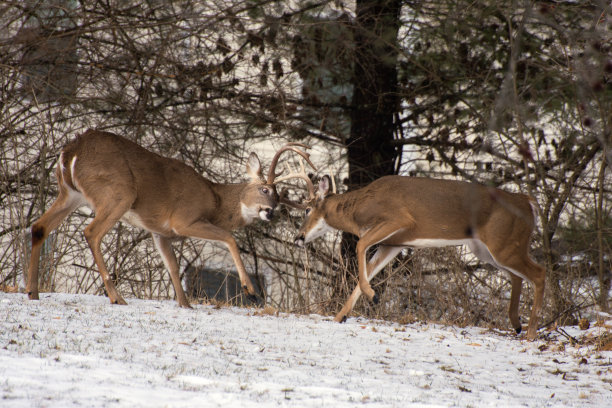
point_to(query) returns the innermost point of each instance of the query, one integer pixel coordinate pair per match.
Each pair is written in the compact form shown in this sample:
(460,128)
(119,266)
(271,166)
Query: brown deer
(396,212)
(121,180)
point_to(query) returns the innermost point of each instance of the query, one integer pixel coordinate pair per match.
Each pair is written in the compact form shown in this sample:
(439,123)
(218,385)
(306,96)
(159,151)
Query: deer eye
(308,210)
(265,190)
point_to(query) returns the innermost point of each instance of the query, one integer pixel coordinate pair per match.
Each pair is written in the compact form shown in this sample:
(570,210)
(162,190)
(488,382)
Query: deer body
(121,180)
(397,212)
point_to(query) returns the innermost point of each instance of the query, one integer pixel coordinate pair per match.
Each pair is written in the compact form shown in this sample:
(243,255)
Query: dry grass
(9,289)
(266,311)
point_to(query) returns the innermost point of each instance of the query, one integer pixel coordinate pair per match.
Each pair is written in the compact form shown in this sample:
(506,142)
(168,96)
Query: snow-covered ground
(80,351)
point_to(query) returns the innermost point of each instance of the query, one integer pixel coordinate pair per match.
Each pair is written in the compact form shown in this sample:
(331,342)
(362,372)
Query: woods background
(516,95)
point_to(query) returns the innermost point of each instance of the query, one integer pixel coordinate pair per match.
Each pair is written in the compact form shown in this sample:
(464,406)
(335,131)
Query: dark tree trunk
(371,153)
(375,101)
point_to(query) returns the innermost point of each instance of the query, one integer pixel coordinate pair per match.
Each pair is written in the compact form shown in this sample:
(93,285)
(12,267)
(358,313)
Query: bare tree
(514,95)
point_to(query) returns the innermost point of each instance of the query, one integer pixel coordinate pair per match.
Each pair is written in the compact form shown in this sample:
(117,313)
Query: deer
(121,180)
(397,212)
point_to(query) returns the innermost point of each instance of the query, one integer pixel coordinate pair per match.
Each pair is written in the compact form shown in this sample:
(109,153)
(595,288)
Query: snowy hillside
(79,351)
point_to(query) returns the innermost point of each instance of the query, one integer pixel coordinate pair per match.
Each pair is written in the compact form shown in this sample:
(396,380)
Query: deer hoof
(343,319)
(375,299)
(519,327)
(251,296)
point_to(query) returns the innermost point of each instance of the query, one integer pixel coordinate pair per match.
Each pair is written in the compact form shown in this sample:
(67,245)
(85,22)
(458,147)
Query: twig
(568,336)
(569,310)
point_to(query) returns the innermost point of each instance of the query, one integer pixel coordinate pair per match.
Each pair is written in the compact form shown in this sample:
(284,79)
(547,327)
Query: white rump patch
(72,164)
(75,182)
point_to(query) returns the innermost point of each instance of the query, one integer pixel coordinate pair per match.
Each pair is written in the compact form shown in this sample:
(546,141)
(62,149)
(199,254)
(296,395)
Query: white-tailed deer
(121,180)
(396,212)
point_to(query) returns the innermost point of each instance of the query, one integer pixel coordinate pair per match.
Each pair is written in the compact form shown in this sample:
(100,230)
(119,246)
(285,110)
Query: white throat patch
(248,214)
(320,228)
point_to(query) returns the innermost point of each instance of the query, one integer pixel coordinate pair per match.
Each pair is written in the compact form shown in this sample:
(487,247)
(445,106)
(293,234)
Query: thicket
(515,95)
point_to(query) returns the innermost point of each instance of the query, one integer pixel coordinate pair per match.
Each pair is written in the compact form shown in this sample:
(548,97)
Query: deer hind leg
(165,250)
(524,267)
(49,221)
(381,257)
(515,298)
(482,252)
(519,265)
(536,274)
(106,217)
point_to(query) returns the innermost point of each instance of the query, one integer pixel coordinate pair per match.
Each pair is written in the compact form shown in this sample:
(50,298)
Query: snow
(80,351)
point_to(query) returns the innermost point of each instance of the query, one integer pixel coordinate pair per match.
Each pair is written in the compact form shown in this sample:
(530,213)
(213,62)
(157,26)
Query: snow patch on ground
(80,351)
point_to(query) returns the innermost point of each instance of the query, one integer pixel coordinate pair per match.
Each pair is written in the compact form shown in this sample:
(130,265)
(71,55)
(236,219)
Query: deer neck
(228,211)
(339,210)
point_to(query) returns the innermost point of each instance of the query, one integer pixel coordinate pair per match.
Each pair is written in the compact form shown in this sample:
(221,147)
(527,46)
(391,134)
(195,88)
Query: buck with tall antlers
(121,180)
(396,212)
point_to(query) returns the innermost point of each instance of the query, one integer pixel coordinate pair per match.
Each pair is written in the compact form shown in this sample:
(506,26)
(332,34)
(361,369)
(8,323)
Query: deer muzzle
(299,241)
(266,213)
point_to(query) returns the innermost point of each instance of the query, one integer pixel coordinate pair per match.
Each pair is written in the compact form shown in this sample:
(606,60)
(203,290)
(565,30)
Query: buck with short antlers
(396,212)
(121,180)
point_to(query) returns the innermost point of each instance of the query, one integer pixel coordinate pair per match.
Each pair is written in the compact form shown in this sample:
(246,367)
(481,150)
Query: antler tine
(292,173)
(302,175)
(289,146)
(333,180)
(284,200)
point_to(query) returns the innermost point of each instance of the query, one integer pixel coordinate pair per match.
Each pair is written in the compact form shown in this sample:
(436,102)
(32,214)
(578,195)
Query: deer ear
(253,167)
(324,186)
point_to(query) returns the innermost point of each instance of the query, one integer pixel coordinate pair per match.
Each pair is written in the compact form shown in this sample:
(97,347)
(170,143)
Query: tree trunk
(370,150)
(602,274)
(371,153)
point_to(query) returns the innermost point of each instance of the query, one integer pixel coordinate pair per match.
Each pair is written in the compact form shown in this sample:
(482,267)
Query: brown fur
(167,197)
(394,211)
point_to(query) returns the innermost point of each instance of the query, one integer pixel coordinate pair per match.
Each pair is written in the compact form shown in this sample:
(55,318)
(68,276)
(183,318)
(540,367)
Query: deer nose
(269,213)
(299,241)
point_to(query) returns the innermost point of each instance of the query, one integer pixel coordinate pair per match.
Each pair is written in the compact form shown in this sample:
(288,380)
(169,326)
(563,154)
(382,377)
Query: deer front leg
(381,257)
(373,236)
(208,231)
(165,249)
(538,279)
(94,232)
(515,297)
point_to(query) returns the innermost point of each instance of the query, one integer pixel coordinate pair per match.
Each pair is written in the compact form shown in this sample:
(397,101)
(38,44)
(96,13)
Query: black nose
(299,240)
(269,213)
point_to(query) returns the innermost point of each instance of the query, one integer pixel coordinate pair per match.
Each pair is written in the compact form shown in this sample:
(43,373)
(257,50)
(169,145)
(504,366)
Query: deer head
(314,224)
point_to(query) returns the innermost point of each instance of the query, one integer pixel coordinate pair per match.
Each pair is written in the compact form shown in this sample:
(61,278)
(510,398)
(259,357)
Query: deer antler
(333,180)
(301,175)
(289,146)
(284,200)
